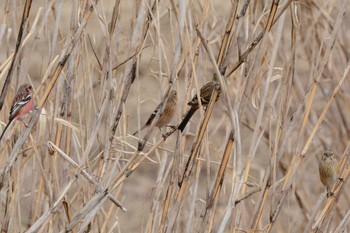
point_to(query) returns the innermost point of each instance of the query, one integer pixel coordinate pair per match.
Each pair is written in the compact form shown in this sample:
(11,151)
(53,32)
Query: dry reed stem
(272,14)
(171,186)
(214,193)
(256,41)
(343,223)
(226,43)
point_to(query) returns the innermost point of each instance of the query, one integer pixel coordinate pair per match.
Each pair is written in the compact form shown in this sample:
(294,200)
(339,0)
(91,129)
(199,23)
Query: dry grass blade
(272,14)
(343,223)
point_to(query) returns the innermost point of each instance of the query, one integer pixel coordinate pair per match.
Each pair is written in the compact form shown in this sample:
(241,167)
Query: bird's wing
(153,114)
(18,105)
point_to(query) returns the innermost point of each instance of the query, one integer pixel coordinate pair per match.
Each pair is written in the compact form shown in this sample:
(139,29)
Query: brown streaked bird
(329,171)
(205,94)
(166,116)
(22,104)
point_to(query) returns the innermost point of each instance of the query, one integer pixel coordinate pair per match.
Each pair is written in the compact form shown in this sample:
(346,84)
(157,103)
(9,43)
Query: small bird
(329,171)
(205,94)
(165,116)
(22,104)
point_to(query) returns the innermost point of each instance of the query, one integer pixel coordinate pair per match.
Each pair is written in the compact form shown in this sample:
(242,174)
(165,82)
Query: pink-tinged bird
(22,104)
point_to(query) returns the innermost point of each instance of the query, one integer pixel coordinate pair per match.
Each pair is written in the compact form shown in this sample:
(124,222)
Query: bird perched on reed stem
(205,95)
(329,171)
(22,104)
(165,116)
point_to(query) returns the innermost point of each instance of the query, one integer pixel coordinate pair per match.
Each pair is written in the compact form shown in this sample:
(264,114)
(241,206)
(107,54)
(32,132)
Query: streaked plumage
(167,114)
(205,95)
(22,104)
(329,171)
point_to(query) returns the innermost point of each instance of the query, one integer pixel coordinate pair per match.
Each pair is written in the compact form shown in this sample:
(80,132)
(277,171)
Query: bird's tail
(4,131)
(139,130)
(329,192)
(187,118)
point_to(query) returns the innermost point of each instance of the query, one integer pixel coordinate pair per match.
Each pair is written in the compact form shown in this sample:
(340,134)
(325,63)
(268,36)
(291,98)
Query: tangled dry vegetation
(246,163)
